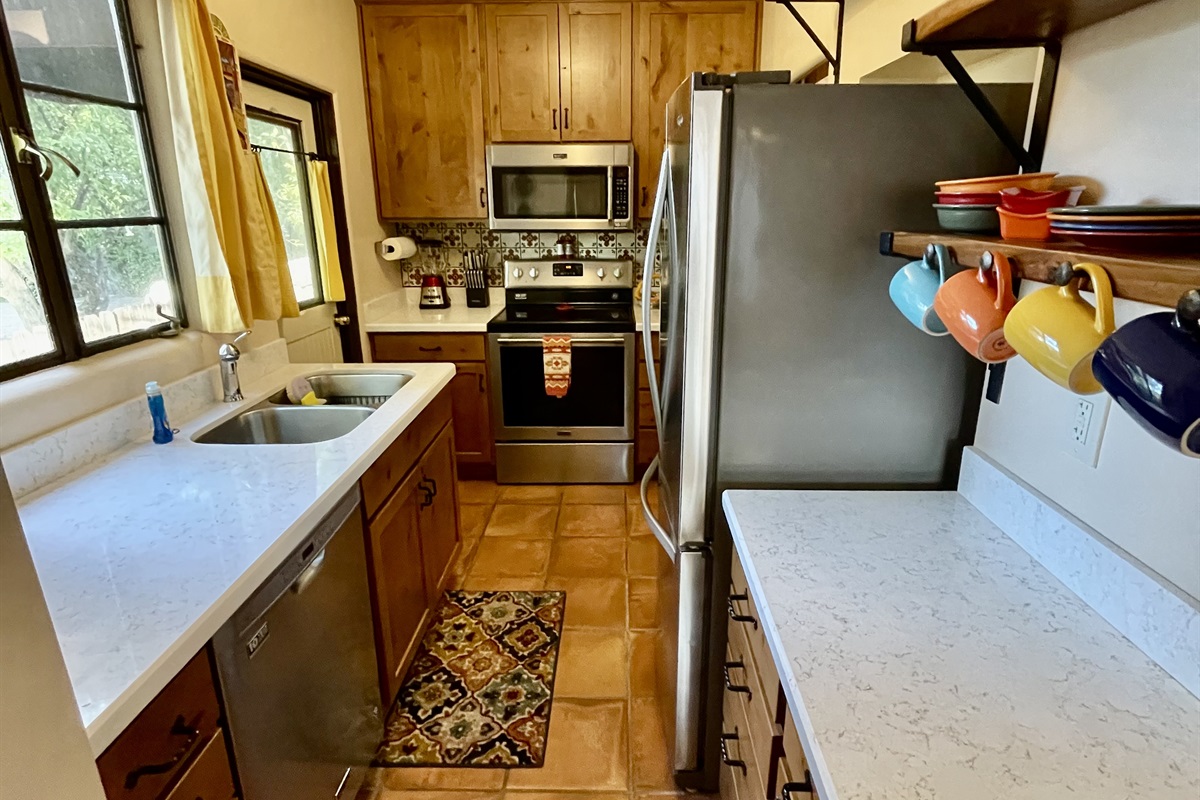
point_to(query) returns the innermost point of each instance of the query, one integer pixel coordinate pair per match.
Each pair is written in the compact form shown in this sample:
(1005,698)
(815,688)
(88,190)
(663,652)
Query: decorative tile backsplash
(459,236)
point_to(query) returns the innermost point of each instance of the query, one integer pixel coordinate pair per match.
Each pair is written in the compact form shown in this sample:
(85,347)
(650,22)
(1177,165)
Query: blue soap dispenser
(158,413)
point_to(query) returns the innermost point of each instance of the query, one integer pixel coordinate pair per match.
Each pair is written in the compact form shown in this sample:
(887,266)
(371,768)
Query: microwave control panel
(620,190)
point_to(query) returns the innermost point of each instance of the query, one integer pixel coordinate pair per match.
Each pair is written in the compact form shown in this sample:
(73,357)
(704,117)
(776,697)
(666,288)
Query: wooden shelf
(994,23)
(1149,278)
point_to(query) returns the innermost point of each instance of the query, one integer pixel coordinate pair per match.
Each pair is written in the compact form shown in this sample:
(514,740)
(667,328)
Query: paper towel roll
(397,247)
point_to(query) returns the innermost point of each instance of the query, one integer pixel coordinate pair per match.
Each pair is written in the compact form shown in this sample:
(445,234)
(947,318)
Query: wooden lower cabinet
(412,539)
(175,742)
(474,442)
(645,446)
(762,758)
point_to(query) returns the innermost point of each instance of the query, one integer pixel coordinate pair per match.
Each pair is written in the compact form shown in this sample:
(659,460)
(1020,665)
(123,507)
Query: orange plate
(1038,181)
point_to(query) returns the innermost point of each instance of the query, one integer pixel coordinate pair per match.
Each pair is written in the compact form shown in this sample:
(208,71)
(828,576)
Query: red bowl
(1027,201)
(969,199)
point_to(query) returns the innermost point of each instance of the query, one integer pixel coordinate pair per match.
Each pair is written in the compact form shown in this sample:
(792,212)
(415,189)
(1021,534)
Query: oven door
(598,407)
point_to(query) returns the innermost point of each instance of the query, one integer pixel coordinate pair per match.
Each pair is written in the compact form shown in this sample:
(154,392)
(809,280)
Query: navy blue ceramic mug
(1151,367)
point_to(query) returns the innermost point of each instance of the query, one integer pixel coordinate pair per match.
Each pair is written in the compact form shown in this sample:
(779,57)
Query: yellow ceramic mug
(1057,331)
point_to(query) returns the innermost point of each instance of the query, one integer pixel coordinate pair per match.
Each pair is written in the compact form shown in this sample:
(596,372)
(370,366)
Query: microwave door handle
(611,215)
(656,220)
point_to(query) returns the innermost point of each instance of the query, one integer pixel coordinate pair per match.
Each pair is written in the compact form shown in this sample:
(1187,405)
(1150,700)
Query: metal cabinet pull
(554,119)
(427,501)
(644,192)
(180,728)
(736,763)
(786,791)
(482,197)
(733,613)
(424,349)
(566,118)
(482,388)
(734,687)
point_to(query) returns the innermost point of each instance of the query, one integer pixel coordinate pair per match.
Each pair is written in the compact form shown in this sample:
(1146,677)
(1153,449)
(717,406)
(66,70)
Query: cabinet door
(438,513)
(397,580)
(596,48)
(425,100)
(522,68)
(673,41)
(473,439)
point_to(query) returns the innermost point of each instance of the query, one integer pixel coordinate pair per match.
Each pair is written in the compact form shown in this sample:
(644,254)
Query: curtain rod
(310,156)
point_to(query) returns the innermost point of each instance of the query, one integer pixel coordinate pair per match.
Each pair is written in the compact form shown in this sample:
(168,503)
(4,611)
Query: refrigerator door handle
(656,527)
(656,220)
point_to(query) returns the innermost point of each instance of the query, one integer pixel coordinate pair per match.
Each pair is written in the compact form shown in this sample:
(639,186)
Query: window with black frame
(85,256)
(279,142)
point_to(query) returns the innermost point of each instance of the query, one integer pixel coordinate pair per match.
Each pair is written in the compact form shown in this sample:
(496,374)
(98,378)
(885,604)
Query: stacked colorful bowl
(1129,228)
(1024,212)
(969,205)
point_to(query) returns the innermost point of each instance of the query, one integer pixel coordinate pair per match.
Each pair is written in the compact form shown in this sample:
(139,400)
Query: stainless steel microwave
(553,187)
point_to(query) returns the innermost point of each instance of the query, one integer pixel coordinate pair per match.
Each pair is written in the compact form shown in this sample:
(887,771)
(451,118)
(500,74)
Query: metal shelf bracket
(834,58)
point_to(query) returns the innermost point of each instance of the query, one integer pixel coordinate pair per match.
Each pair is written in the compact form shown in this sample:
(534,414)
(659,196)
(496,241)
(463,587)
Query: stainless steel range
(586,435)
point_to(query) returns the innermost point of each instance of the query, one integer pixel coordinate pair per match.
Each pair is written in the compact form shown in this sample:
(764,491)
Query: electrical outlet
(1086,428)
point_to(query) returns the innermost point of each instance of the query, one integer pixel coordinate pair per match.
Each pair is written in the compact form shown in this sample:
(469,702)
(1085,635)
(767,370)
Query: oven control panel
(564,273)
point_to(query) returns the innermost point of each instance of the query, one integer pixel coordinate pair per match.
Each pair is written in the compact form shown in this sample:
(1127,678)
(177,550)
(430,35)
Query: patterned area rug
(479,690)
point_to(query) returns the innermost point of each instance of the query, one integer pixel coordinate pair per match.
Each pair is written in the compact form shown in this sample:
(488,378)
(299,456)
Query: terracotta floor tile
(643,663)
(592,664)
(530,494)
(651,753)
(603,495)
(646,557)
(588,558)
(636,520)
(526,521)
(443,778)
(593,602)
(488,583)
(633,493)
(472,520)
(643,603)
(592,521)
(522,795)
(587,749)
(423,794)
(477,492)
(510,558)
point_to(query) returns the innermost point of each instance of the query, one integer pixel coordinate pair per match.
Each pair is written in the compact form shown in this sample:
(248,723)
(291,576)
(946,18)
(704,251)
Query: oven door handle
(531,340)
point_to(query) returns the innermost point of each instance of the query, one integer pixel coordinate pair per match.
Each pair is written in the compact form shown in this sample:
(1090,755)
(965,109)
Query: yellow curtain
(248,279)
(321,200)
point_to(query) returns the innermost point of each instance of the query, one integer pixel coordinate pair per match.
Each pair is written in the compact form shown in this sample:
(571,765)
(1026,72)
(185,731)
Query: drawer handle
(180,728)
(735,763)
(425,349)
(733,613)
(730,685)
(786,792)
(430,492)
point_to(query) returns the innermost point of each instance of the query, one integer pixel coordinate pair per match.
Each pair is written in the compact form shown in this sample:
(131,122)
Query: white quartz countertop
(143,556)
(924,654)
(400,313)
(639,323)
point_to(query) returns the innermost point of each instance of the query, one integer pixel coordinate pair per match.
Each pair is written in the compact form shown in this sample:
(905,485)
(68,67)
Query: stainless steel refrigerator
(783,362)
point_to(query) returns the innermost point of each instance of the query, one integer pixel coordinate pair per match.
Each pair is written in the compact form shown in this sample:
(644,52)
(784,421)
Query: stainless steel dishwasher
(298,670)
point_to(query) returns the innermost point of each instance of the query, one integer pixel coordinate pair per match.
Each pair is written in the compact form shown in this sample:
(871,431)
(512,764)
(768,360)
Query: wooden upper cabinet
(522,68)
(674,40)
(425,101)
(596,50)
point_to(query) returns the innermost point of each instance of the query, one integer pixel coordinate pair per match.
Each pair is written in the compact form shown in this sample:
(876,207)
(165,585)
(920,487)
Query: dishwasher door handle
(310,573)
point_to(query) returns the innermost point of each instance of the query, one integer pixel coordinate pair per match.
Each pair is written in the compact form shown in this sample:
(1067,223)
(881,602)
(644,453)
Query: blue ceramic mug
(913,288)
(1151,367)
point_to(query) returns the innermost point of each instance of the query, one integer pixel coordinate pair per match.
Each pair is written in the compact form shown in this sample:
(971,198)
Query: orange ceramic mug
(974,305)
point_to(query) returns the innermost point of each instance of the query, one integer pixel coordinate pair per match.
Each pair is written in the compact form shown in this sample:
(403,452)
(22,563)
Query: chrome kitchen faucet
(229,354)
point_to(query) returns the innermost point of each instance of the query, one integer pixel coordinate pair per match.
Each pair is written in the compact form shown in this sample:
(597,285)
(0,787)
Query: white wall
(1126,116)
(44,752)
(317,41)
(785,45)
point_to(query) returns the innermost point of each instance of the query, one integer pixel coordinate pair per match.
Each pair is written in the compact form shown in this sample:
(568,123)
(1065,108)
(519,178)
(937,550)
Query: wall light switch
(1085,427)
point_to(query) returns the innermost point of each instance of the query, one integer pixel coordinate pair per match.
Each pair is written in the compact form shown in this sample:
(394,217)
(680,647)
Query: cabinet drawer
(209,777)
(390,468)
(759,725)
(164,738)
(428,347)
(793,766)
(752,629)
(646,445)
(645,409)
(740,753)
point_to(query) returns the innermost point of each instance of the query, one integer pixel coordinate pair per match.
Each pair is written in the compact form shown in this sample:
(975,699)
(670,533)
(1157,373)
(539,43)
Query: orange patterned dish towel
(556,364)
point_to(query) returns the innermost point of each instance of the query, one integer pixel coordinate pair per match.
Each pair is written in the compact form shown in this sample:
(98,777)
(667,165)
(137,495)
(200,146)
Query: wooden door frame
(325,122)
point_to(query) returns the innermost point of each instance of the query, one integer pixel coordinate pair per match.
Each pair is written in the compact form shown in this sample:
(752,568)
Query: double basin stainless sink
(350,398)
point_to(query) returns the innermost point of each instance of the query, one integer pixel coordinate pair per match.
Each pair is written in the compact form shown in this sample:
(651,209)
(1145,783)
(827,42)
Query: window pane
(9,211)
(117,277)
(24,332)
(289,190)
(105,144)
(69,44)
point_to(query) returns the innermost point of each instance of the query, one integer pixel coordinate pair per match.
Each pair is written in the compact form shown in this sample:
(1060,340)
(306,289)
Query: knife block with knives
(476,277)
